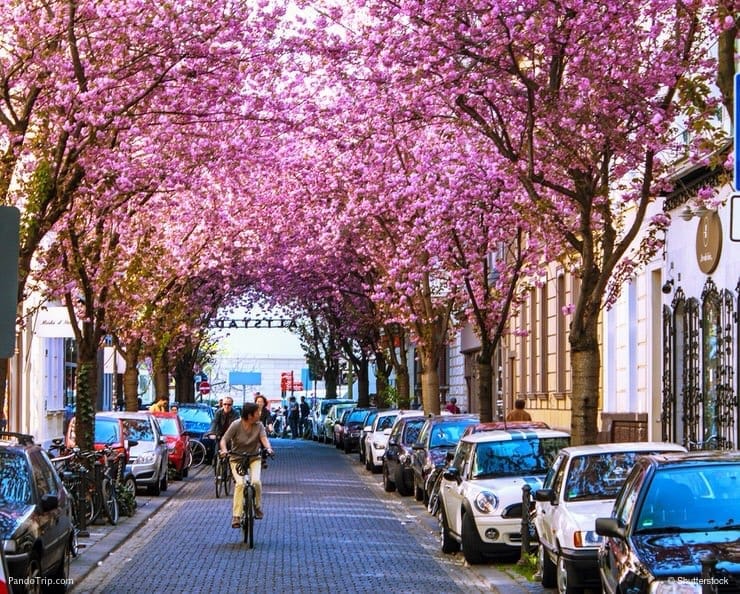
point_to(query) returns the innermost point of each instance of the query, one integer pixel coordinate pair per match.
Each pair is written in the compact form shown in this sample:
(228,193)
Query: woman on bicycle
(246,435)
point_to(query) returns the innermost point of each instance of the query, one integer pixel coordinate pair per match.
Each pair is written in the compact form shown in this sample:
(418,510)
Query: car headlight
(486,501)
(10,546)
(680,585)
(587,538)
(146,458)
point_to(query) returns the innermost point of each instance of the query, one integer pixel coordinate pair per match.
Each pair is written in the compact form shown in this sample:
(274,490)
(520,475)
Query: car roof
(192,405)
(165,414)
(10,439)
(123,414)
(512,434)
(452,418)
(497,425)
(632,446)
(696,458)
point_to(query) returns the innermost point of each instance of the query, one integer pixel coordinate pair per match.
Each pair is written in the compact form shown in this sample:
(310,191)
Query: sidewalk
(104,538)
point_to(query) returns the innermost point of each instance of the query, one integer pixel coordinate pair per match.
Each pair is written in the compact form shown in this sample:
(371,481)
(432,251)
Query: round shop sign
(709,242)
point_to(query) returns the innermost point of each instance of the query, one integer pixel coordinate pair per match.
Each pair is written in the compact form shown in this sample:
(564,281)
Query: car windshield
(15,484)
(598,476)
(692,499)
(107,431)
(516,457)
(356,416)
(448,434)
(139,429)
(194,415)
(385,422)
(169,426)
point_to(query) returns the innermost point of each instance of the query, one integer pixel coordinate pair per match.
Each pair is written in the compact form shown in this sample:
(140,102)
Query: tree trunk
(586,365)
(403,386)
(161,377)
(363,382)
(429,382)
(185,378)
(131,376)
(485,382)
(87,382)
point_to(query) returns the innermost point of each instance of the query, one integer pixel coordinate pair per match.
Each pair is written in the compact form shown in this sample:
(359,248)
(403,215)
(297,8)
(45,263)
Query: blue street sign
(10,220)
(736,123)
(245,378)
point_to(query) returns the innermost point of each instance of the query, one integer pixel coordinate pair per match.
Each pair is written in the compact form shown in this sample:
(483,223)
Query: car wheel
(471,542)
(163,481)
(546,568)
(33,576)
(388,484)
(155,489)
(347,448)
(60,575)
(562,578)
(368,462)
(401,486)
(449,544)
(418,492)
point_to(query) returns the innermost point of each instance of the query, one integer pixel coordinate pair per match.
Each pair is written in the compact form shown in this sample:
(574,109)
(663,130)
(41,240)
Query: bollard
(708,575)
(526,502)
(81,511)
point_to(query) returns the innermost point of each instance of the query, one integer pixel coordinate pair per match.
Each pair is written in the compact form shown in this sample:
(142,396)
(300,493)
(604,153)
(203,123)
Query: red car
(108,433)
(178,443)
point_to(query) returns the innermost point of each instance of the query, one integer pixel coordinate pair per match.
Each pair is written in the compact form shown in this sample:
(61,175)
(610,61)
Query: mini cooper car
(481,490)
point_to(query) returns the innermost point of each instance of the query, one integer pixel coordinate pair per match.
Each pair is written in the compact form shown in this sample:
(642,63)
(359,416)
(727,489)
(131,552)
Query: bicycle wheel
(89,501)
(248,516)
(110,501)
(219,477)
(198,452)
(227,478)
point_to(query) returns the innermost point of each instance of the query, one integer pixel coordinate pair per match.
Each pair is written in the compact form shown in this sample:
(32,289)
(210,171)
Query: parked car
(367,424)
(197,419)
(339,428)
(481,490)
(439,436)
(318,416)
(377,437)
(107,432)
(674,514)
(580,486)
(499,425)
(35,512)
(148,458)
(397,473)
(353,426)
(178,442)
(332,416)
(5,587)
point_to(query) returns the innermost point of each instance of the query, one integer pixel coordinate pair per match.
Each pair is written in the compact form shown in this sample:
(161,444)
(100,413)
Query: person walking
(305,410)
(452,406)
(160,405)
(518,414)
(294,415)
(245,437)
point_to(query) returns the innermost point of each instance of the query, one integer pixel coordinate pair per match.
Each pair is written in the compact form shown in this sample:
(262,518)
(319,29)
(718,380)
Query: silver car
(148,458)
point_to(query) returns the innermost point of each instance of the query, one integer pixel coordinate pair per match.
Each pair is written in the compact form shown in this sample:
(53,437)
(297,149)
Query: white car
(481,490)
(376,437)
(581,486)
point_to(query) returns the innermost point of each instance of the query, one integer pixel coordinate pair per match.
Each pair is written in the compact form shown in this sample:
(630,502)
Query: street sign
(205,388)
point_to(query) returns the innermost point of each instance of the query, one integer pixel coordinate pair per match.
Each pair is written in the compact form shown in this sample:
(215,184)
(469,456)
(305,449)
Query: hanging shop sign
(709,242)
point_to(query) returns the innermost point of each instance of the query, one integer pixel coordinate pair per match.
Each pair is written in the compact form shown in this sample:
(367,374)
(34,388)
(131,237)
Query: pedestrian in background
(294,415)
(305,411)
(452,406)
(518,414)
(160,405)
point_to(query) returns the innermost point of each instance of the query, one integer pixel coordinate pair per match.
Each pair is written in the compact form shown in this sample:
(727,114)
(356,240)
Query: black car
(438,437)
(353,426)
(197,419)
(364,429)
(35,512)
(675,520)
(397,473)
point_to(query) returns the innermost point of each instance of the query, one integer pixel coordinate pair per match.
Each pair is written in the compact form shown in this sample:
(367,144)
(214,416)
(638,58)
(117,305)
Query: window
(15,484)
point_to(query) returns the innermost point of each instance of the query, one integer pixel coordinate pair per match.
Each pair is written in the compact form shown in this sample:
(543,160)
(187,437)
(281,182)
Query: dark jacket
(222,420)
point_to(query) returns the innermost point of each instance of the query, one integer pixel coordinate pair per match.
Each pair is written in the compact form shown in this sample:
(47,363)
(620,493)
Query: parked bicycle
(198,452)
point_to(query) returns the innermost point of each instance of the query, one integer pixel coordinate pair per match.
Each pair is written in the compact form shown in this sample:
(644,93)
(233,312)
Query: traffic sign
(205,388)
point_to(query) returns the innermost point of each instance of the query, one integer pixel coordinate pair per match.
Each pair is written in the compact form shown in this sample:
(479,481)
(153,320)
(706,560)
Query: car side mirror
(367,428)
(387,431)
(163,441)
(392,441)
(452,474)
(545,496)
(132,442)
(609,527)
(49,502)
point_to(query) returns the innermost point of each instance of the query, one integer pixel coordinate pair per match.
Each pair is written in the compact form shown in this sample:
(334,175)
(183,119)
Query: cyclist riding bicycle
(246,437)
(224,417)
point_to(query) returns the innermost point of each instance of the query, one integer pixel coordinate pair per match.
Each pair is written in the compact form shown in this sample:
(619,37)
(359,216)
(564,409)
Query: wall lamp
(689,213)
(667,286)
